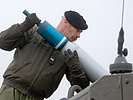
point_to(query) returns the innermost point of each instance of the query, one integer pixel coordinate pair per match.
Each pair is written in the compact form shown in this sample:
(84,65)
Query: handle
(26,12)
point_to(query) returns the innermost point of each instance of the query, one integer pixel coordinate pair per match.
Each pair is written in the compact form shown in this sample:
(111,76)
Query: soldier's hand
(71,58)
(32,19)
(29,22)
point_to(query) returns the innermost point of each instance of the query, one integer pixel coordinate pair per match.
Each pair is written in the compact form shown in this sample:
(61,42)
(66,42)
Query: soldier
(37,67)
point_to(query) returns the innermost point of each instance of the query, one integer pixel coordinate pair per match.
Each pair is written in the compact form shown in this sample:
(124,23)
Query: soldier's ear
(65,20)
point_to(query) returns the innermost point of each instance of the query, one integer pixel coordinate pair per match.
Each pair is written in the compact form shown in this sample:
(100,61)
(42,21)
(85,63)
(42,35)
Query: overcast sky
(99,40)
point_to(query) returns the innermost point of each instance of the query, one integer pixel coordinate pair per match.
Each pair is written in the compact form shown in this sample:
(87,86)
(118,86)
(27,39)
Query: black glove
(71,58)
(74,72)
(29,22)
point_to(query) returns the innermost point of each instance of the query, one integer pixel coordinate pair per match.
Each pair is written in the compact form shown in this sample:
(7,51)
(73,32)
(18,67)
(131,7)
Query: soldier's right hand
(29,22)
(32,19)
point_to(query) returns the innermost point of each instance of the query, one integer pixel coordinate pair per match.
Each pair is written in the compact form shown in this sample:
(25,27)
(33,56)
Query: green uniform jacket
(37,68)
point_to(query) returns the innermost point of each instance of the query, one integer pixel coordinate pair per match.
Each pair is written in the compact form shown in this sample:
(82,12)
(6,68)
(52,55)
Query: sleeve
(14,38)
(76,76)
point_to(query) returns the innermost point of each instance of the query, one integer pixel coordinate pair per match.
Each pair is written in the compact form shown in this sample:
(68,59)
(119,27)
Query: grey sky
(99,41)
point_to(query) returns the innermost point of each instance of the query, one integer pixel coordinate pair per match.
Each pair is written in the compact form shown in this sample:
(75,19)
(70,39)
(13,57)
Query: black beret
(76,20)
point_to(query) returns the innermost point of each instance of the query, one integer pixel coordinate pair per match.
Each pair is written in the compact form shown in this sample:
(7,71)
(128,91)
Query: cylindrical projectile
(93,70)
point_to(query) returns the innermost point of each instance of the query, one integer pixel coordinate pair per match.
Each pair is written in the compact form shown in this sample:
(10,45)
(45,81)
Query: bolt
(127,82)
(92,98)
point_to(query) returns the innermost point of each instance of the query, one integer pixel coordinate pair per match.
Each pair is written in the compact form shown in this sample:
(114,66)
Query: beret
(76,20)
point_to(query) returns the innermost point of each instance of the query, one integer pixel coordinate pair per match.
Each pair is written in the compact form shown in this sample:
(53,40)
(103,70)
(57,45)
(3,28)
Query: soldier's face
(71,32)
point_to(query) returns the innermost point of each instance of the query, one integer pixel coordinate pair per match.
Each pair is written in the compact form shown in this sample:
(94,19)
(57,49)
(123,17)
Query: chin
(73,40)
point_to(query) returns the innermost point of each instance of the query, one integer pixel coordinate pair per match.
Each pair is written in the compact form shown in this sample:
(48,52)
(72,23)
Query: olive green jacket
(37,68)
